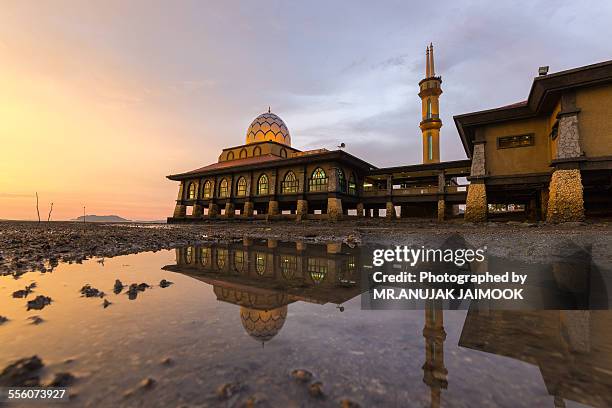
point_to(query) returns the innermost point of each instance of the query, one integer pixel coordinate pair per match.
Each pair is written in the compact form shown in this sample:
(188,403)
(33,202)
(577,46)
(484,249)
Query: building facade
(550,156)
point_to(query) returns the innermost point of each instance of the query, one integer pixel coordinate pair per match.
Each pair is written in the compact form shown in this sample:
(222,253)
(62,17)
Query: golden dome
(268,126)
(262,325)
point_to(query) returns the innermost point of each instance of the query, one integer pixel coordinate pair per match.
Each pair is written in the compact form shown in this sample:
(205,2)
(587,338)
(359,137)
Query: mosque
(550,156)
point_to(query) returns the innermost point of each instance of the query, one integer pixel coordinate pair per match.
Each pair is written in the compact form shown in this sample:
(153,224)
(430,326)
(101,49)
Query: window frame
(290,186)
(318,184)
(241,187)
(513,141)
(223,188)
(263,176)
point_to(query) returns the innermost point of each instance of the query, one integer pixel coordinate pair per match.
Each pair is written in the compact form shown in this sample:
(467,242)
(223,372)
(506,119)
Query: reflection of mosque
(264,277)
(571,348)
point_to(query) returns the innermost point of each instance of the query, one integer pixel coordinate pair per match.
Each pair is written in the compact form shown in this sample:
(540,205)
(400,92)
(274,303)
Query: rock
(62,380)
(36,320)
(528,224)
(22,373)
(225,391)
(106,303)
(143,286)
(39,302)
(22,293)
(167,361)
(301,375)
(89,291)
(574,224)
(347,403)
(164,283)
(316,389)
(145,385)
(3,319)
(118,287)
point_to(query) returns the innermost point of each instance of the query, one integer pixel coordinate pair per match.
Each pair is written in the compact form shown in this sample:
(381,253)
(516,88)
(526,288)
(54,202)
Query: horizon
(98,106)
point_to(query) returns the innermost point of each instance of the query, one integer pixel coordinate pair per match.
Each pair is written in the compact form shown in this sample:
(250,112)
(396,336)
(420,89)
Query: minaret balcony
(431,123)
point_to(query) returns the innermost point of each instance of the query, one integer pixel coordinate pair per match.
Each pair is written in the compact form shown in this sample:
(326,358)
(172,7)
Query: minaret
(434,372)
(430,90)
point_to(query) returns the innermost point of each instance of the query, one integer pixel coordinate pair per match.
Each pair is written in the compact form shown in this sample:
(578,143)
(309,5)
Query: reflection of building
(263,278)
(550,155)
(434,371)
(573,349)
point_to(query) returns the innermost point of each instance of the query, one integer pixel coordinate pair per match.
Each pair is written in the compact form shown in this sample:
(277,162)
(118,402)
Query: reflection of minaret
(434,372)
(430,91)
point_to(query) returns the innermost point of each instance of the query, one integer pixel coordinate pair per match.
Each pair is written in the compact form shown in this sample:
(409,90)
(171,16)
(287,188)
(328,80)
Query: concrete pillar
(390,211)
(213,210)
(565,202)
(360,210)
(273,207)
(197,210)
(248,209)
(334,208)
(229,210)
(441,209)
(476,203)
(532,210)
(180,211)
(302,210)
(375,213)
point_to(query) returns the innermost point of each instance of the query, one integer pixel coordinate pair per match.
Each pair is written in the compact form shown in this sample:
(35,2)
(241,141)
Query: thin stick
(37,211)
(50,211)
(83,216)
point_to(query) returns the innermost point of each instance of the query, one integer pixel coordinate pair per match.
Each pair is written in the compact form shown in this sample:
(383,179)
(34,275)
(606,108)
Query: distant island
(113,218)
(101,218)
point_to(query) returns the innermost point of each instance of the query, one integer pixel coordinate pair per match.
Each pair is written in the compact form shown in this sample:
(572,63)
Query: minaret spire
(432,71)
(427,63)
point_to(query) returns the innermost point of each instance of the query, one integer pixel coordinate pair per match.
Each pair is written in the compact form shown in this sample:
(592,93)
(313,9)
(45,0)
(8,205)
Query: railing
(411,191)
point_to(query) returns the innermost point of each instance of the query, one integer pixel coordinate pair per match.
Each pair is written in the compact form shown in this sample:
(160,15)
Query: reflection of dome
(268,126)
(262,325)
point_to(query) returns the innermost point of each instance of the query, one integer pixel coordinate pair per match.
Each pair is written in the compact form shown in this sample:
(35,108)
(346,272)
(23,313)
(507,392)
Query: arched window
(428,108)
(243,153)
(205,257)
(221,258)
(290,183)
(318,180)
(260,263)
(257,151)
(352,185)
(288,266)
(223,189)
(208,189)
(188,255)
(191,193)
(262,185)
(230,155)
(239,261)
(341,180)
(283,153)
(317,269)
(429,146)
(242,186)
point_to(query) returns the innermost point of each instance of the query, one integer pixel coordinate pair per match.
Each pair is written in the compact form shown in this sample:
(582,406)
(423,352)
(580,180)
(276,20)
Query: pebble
(39,302)
(225,391)
(62,380)
(347,403)
(89,291)
(301,375)
(3,319)
(164,283)
(316,389)
(118,287)
(36,320)
(106,303)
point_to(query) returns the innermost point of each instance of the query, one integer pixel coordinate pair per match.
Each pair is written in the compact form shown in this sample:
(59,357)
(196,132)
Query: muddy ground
(26,246)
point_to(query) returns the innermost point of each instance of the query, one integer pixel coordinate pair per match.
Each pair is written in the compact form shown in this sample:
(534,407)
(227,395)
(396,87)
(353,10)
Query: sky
(100,100)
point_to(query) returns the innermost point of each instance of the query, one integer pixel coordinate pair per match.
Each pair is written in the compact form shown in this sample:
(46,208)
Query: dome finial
(269,109)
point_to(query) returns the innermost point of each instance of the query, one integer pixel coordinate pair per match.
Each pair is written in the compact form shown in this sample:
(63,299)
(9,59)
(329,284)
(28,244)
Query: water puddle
(280,324)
